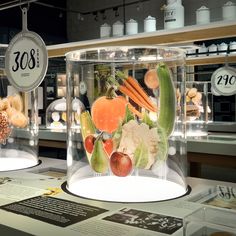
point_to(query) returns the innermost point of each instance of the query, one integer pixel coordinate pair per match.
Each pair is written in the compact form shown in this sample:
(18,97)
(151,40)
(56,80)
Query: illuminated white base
(196,133)
(12,159)
(126,189)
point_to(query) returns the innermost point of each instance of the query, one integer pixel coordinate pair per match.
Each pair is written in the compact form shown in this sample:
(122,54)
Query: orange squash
(107,112)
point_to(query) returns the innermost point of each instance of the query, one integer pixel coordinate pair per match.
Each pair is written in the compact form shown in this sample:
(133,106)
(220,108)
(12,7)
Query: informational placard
(219,196)
(146,220)
(54,211)
(26,59)
(223,81)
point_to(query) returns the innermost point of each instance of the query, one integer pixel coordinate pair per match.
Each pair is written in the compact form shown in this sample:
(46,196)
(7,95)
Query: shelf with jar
(171,37)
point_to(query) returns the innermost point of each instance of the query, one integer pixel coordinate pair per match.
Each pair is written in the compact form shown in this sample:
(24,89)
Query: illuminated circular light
(10,140)
(31,142)
(11,159)
(196,133)
(126,189)
(172,151)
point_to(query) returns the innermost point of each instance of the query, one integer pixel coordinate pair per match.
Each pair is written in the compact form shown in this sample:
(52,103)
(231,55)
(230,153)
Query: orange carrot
(134,110)
(135,97)
(130,106)
(132,82)
(139,97)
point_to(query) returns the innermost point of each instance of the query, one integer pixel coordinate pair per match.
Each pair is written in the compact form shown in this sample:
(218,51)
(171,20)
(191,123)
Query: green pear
(99,159)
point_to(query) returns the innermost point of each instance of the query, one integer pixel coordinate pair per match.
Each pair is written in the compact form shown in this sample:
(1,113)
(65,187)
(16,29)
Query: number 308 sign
(223,81)
(26,61)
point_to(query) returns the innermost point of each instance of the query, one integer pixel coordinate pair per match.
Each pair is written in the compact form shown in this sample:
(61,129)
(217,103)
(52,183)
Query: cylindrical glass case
(198,108)
(132,152)
(19,131)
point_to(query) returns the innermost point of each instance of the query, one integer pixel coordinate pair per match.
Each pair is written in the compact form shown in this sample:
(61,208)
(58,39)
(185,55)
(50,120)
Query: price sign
(26,60)
(223,81)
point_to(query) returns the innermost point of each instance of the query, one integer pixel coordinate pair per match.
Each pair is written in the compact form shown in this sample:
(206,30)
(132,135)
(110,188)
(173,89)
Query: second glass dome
(132,152)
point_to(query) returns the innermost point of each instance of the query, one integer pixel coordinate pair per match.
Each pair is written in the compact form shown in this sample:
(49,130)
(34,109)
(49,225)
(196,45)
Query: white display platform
(47,179)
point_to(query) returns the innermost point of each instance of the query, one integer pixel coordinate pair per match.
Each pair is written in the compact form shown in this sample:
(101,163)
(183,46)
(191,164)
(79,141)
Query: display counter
(33,203)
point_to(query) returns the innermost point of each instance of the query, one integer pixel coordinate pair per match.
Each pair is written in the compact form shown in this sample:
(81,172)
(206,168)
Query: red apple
(108,146)
(120,163)
(89,143)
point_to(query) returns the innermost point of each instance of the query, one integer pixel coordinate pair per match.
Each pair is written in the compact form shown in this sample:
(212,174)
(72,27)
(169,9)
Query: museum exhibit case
(210,221)
(19,131)
(132,152)
(198,107)
(56,113)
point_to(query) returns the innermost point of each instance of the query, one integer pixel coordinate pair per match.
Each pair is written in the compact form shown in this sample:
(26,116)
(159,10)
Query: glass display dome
(56,113)
(198,108)
(131,152)
(19,131)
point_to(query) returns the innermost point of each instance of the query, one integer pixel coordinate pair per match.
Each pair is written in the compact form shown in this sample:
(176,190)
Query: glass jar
(18,130)
(132,153)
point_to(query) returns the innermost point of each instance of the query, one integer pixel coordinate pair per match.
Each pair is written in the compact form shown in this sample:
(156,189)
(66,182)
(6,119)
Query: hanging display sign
(26,59)
(223,81)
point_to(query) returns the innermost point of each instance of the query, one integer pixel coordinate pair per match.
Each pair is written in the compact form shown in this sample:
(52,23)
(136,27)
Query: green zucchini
(167,111)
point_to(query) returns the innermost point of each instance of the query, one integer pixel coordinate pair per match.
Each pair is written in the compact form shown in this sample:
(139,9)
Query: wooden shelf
(188,34)
(208,60)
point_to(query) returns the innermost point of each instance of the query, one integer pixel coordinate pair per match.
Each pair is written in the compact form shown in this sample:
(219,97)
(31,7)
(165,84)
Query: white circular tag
(26,61)
(223,81)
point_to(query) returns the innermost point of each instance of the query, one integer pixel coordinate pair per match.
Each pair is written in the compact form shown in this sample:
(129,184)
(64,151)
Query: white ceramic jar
(118,29)
(232,46)
(202,15)
(191,52)
(222,48)
(173,14)
(149,24)
(212,49)
(105,30)
(229,11)
(202,51)
(131,27)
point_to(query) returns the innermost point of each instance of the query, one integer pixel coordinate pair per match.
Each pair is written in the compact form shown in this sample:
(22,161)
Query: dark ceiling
(45,17)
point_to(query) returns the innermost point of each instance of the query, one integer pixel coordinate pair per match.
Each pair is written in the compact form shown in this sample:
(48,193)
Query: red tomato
(108,146)
(89,143)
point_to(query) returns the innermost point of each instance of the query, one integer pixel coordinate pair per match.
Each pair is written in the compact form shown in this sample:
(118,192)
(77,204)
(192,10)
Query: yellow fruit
(63,116)
(192,92)
(10,112)
(17,102)
(197,99)
(4,104)
(188,99)
(19,120)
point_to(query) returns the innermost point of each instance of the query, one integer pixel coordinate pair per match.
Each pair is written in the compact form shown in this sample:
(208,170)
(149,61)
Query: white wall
(89,28)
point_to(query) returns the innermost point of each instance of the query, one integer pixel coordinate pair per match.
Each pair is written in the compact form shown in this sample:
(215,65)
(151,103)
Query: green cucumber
(167,110)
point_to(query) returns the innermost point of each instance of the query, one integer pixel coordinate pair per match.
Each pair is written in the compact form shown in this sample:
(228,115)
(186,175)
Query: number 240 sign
(223,81)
